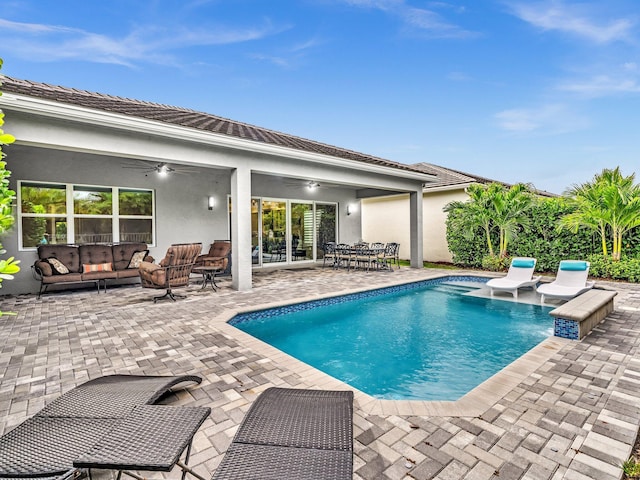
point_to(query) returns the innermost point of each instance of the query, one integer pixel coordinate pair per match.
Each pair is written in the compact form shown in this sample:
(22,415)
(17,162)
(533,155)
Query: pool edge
(472,404)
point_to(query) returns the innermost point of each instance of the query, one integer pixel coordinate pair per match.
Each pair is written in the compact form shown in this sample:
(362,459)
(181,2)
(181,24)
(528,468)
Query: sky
(542,92)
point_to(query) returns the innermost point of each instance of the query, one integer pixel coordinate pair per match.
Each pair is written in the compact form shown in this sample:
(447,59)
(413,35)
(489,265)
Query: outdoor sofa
(46,445)
(88,263)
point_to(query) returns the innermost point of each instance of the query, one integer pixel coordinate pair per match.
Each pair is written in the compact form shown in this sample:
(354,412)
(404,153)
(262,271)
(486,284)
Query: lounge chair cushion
(522,263)
(573,265)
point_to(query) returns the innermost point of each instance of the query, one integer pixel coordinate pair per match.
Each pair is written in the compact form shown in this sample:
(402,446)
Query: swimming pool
(429,340)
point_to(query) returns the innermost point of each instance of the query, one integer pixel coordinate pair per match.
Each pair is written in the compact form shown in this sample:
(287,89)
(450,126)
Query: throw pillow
(137,259)
(58,266)
(97,267)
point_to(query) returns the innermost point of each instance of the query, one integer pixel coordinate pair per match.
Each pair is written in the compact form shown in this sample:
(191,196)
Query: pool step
(455,288)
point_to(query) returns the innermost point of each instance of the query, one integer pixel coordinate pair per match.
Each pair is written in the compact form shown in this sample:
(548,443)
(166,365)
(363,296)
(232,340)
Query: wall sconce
(211,202)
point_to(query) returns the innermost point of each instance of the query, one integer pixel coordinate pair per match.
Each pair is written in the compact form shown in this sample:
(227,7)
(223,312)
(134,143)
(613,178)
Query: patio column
(415,234)
(241,228)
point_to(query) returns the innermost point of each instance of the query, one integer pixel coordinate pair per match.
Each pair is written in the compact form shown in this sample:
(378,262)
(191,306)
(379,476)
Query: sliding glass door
(325,221)
(274,231)
(288,231)
(302,226)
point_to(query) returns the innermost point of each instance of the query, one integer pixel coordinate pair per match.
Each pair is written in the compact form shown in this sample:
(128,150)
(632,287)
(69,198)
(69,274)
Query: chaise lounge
(47,444)
(293,433)
(519,276)
(571,281)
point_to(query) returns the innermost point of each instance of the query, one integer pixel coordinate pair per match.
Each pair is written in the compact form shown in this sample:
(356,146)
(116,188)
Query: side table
(208,275)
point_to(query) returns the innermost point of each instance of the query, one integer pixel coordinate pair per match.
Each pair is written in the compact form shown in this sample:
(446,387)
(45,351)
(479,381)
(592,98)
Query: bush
(624,269)
(542,240)
(494,263)
(539,238)
(466,250)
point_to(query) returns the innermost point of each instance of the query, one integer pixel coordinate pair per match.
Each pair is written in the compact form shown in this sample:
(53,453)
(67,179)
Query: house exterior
(90,167)
(387,217)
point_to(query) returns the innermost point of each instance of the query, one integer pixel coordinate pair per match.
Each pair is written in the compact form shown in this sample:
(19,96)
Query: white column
(241,228)
(415,235)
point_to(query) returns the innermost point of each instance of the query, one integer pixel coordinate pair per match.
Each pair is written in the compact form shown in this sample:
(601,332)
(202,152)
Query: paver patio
(575,417)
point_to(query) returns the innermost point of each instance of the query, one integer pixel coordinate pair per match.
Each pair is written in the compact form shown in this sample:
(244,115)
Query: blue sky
(546,92)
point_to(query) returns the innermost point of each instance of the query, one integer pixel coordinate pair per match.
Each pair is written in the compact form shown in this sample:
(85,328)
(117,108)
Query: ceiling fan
(310,184)
(161,168)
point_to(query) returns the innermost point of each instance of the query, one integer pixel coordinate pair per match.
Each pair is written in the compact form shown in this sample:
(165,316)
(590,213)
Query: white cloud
(150,45)
(576,19)
(602,85)
(550,119)
(426,21)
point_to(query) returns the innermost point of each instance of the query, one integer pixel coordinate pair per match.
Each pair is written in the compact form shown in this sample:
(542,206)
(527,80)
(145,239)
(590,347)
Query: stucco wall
(386,219)
(182,213)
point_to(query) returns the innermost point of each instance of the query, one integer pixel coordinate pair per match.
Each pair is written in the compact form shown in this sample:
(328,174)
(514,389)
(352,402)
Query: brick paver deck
(575,417)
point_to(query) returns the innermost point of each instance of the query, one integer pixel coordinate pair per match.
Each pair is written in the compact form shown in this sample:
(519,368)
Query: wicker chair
(218,256)
(173,271)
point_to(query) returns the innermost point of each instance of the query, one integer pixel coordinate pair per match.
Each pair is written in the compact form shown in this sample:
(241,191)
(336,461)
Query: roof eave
(74,113)
(446,188)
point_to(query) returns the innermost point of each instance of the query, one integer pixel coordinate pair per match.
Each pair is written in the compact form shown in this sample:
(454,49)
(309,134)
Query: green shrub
(466,250)
(604,267)
(540,239)
(494,263)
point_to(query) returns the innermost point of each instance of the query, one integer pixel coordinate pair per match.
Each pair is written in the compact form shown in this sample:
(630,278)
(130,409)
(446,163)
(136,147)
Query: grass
(444,266)
(631,468)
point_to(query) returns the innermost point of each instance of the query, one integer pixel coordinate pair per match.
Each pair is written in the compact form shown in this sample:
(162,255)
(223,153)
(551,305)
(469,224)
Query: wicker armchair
(218,255)
(173,271)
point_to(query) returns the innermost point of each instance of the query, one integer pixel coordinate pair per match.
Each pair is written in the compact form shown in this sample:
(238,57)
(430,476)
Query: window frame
(71,216)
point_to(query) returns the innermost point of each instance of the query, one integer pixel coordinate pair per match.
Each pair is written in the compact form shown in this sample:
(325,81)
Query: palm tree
(473,213)
(609,204)
(493,207)
(509,211)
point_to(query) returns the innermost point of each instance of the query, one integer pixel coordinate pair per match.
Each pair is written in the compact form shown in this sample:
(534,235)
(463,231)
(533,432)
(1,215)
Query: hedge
(543,241)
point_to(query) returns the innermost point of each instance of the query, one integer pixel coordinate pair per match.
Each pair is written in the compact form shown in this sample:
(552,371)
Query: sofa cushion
(57,267)
(95,254)
(137,259)
(97,267)
(69,277)
(122,253)
(67,254)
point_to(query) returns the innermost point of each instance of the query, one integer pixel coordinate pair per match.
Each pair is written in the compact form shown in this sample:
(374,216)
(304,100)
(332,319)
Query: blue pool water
(425,341)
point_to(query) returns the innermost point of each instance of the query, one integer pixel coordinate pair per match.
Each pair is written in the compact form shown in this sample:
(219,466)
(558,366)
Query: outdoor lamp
(211,202)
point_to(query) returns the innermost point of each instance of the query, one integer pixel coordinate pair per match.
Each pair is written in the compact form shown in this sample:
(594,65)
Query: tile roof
(186,118)
(449,178)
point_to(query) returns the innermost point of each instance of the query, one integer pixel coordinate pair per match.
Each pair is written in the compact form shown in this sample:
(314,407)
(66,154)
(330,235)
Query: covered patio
(197,178)
(574,416)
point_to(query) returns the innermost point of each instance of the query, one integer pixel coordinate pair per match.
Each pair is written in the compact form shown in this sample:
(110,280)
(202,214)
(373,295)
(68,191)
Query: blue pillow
(573,265)
(522,263)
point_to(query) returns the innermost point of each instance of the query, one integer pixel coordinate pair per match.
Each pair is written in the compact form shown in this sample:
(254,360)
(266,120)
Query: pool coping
(472,404)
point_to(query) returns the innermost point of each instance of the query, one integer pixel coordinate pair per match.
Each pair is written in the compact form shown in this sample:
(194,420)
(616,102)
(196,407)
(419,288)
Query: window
(57,213)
